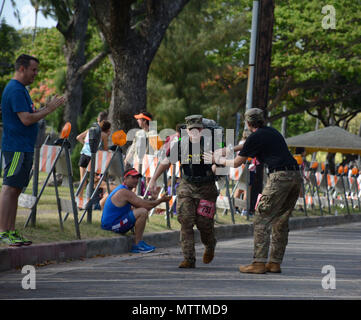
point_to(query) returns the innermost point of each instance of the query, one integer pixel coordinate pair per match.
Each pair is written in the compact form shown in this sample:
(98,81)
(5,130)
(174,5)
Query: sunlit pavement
(320,263)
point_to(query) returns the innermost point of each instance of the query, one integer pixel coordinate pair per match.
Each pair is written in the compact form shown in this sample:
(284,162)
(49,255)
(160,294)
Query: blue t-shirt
(17,136)
(111,213)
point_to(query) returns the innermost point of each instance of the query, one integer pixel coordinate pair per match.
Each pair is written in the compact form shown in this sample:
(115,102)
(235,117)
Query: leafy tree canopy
(10,42)
(316,69)
(197,67)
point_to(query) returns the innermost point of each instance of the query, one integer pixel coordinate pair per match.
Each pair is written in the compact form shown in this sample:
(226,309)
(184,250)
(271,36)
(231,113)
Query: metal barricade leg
(328,195)
(230,200)
(33,210)
(304,194)
(344,194)
(58,201)
(165,181)
(35,181)
(173,182)
(85,177)
(71,189)
(349,188)
(319,198)
(90,187)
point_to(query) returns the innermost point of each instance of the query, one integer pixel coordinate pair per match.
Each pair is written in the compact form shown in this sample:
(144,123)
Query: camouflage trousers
(188,197)
(278,199)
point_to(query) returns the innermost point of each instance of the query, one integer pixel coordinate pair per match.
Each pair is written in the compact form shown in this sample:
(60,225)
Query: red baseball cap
(142,116)
(132,172)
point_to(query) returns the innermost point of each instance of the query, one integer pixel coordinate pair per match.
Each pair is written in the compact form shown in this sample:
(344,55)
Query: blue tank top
(111,213)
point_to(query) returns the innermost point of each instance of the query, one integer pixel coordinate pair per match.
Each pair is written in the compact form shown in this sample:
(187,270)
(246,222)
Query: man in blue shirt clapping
(20,131)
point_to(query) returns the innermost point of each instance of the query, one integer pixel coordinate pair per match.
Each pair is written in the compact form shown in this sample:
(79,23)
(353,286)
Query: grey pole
(252,55)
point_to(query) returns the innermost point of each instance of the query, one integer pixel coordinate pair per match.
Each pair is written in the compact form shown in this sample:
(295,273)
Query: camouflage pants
(188,197)
(274,209)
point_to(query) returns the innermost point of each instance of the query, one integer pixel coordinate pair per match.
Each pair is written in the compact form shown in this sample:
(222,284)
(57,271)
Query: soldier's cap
(194,121)
(254,115)
(132,172)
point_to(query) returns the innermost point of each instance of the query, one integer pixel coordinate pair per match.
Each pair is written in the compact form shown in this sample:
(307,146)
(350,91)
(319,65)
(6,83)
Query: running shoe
(144,244)
(138,248)
(6,237)
(17,235)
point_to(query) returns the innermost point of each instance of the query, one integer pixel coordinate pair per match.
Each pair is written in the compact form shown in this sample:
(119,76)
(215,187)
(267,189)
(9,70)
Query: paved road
(156,275)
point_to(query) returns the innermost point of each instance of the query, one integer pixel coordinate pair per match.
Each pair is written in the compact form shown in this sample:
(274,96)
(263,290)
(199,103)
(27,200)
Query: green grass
(47,228)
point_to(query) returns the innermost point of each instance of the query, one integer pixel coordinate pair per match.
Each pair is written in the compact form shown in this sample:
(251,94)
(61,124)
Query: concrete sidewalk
(11,258)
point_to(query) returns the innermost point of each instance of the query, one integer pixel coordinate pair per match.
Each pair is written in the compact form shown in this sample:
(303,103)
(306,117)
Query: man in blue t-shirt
(20,131)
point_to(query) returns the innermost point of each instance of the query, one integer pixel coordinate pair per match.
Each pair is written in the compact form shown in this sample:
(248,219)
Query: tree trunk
(263,54)
(262,75)
(74,50)
(133,31)
(74,98)
(129,94)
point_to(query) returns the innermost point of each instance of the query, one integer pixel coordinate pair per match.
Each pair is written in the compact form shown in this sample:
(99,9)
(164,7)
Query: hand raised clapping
(55,102)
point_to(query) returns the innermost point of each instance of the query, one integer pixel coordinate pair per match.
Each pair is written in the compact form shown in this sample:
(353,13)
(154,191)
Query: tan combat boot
(273,267)
(187,264)
(255,267)
(208,255)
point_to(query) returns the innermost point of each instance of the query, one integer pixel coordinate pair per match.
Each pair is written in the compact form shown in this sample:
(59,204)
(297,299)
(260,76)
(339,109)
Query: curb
(11,258)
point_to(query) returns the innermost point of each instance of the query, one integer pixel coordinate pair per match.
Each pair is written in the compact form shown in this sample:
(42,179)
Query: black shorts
(17,168)
(84,160)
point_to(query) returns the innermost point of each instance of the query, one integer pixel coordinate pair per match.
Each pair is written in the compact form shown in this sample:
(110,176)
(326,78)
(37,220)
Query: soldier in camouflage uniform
(196,193)
(188,197)
(278,197)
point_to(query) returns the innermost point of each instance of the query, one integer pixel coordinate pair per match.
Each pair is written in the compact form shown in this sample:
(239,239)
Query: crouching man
(123,210)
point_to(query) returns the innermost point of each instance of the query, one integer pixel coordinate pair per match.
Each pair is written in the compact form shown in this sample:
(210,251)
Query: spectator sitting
(119,216)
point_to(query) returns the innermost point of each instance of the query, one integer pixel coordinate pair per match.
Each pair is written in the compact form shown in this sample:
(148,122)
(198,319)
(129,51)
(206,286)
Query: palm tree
(16,11)
(2,8)
(39,6)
